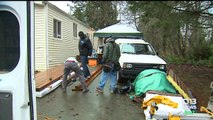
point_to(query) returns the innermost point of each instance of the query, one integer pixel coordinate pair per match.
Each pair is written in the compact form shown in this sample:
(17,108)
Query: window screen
(9,41)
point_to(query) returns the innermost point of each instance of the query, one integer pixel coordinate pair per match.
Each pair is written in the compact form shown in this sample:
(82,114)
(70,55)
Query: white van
(17,83)
(136,56)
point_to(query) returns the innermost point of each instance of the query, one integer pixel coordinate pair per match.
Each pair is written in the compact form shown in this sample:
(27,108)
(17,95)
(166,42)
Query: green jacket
(111,52)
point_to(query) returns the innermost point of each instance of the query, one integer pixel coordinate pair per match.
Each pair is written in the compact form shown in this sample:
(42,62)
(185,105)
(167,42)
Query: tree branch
(205,27)
(188,11)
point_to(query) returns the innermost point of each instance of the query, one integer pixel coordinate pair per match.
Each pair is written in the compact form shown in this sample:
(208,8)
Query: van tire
(119,78)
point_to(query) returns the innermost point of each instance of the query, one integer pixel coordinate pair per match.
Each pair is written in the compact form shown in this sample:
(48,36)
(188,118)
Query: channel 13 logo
(191,102)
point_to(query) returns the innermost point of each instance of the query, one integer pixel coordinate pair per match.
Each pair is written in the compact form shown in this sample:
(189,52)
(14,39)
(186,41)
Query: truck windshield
(136,48)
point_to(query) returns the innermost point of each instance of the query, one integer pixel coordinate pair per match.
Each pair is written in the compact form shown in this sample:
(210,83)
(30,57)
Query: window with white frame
(74,30)
(56,28)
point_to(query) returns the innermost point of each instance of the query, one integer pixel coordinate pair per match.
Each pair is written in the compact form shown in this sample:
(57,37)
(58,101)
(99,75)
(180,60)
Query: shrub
(175,60)
(201,52)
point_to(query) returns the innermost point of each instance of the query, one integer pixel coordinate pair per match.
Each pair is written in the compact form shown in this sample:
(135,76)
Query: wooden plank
(45,78)
(88,81)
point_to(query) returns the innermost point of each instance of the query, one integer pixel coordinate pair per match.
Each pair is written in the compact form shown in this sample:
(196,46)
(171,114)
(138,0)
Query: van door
(17,85)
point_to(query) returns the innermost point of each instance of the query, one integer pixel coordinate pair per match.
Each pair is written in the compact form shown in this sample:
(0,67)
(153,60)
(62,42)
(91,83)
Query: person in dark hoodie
(111,54)
(85,50)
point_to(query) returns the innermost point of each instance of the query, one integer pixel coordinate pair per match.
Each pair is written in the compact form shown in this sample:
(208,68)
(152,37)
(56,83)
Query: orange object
(93,62)
(171,117)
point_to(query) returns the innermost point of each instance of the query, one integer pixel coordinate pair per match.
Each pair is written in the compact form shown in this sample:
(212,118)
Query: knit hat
(110,39)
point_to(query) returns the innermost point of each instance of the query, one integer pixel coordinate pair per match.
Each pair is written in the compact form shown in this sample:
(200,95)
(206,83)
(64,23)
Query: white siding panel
(59,49)
(50,51)
(40,42)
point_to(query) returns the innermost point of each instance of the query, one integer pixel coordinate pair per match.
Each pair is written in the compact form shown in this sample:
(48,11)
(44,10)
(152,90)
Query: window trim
(57,28)
(75,29)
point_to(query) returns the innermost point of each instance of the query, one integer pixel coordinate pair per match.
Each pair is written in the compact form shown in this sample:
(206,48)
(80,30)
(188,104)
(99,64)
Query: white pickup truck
(136,56)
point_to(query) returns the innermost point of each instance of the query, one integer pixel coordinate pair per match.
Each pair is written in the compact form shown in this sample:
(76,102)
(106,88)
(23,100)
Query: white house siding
(59,49)
(40,41)
(51,51)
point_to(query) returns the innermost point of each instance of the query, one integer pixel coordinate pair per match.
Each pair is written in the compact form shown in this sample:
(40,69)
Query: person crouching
(69,66)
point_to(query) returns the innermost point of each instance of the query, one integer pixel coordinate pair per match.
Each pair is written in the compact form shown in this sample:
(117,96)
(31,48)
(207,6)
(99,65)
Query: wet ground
(74,105)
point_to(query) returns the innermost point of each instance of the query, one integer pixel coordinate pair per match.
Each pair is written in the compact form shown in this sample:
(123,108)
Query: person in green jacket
(111,54)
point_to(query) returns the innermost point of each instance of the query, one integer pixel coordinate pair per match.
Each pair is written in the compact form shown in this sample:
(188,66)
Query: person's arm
(105,53)
(89,44)
(79,47)
(118,50)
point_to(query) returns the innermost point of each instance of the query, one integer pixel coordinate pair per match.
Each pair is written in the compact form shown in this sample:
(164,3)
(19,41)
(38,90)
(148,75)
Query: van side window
(9,41)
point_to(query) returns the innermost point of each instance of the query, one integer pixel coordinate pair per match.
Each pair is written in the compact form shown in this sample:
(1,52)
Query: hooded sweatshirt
(111,51)
(85,46)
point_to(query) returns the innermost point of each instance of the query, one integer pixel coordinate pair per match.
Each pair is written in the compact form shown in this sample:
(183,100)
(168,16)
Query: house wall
(40,38)
(59,49)
(51,51)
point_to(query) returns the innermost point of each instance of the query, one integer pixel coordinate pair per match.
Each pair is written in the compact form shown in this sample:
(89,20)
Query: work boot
(99,90)
(88,77)
(112,91)
(74,80)
(64,90)
(85,91)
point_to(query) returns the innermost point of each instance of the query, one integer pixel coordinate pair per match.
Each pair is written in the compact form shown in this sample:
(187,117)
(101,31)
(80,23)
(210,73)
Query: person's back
(71,65)
(111,51)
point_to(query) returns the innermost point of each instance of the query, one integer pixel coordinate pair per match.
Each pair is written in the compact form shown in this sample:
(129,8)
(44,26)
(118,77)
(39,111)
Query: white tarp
(119,29)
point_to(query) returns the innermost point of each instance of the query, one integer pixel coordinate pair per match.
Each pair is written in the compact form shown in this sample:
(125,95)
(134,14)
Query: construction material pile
(161,99)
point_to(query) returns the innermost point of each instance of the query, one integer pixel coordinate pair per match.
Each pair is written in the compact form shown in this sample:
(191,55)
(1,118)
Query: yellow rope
(203,109)
(177,87)
(157,100)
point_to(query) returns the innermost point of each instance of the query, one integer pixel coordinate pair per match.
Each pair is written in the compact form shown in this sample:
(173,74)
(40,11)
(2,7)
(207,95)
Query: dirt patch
(197,79)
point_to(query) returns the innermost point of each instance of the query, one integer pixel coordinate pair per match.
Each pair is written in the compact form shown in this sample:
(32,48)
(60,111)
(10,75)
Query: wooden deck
(45,78)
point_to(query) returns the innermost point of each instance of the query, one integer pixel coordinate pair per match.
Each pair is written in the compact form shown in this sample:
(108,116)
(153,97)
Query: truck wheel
(119,78)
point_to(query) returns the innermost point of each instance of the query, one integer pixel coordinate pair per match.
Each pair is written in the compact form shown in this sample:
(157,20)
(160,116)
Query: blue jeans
(84,62)
(112,75)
